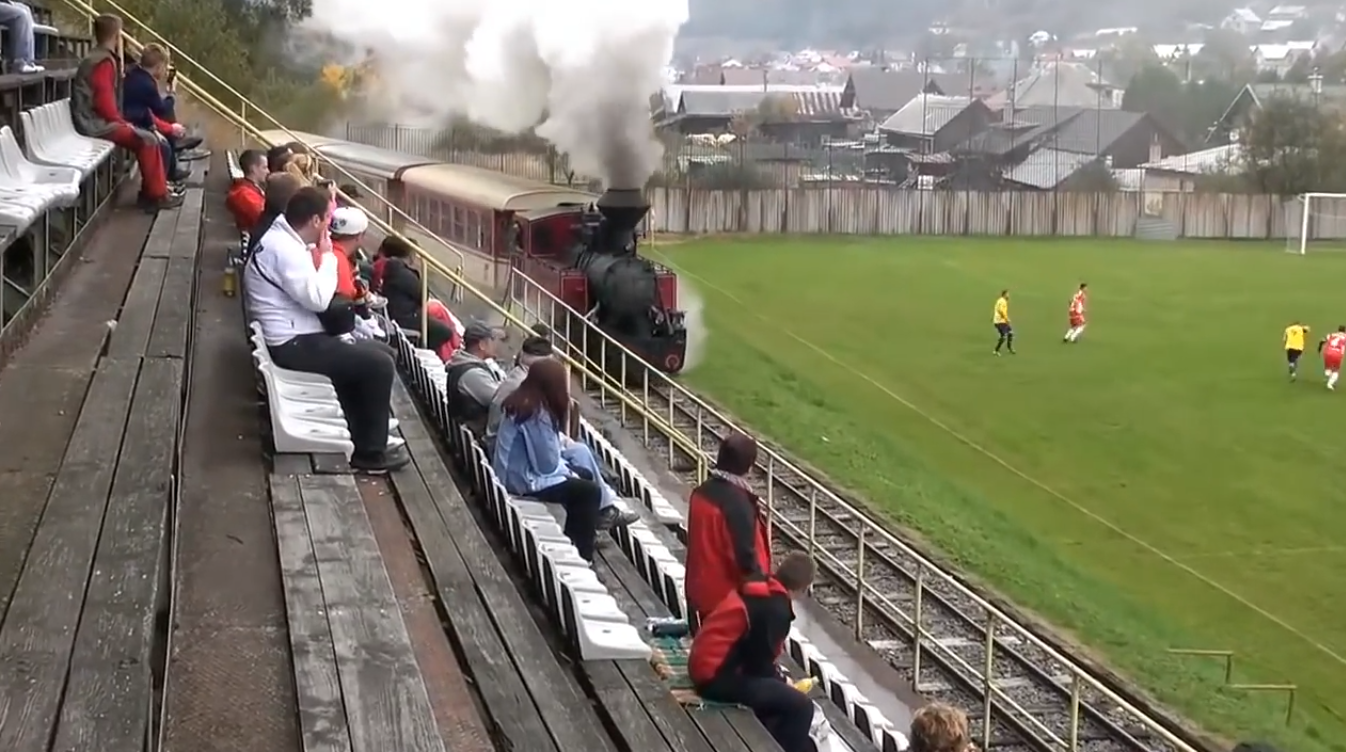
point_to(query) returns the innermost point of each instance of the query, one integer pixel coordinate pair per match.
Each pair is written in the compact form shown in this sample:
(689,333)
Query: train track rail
(949,645)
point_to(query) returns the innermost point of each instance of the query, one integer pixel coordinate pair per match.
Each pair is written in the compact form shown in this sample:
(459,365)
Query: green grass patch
(1159,484)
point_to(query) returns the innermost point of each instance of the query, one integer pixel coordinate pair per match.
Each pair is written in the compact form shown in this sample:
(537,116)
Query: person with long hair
(528,452)
(396,278)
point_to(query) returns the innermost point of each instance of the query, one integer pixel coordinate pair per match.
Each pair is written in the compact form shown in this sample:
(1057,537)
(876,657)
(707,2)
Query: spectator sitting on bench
(577,455)
(280,188)
(145,107)
(18,18)
(471,381)
(733,656)
(94,113)
(726,538)
(348,229)
(395,277)
(246,200)
(528,452)
(940,728)
(286,293)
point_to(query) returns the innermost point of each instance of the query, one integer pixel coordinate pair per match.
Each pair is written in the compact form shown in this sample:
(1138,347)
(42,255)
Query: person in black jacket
(399,282)
(733,656)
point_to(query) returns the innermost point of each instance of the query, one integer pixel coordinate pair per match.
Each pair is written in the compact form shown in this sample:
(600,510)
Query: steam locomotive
(625,294)
(581,251)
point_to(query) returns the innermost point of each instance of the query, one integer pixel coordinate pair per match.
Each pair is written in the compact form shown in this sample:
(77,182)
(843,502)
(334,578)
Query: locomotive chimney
(623,208)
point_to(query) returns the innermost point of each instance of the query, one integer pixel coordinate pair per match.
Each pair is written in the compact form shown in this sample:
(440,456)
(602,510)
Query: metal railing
(247,130)
(538,305)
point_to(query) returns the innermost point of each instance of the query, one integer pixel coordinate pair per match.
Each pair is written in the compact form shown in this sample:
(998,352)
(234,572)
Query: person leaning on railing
(291,290)
(95,113)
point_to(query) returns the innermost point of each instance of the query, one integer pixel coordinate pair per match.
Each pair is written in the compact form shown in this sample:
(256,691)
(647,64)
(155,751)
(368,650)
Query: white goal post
(1315,218)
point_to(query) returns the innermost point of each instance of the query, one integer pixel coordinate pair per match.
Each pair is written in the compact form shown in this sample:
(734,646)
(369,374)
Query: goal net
(1315,222)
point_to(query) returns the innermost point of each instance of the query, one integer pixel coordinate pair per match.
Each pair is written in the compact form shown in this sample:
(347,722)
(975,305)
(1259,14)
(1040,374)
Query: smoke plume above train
(581,72)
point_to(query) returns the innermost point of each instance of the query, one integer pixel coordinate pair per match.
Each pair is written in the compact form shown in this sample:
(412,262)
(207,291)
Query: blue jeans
(580,457)
(19,18)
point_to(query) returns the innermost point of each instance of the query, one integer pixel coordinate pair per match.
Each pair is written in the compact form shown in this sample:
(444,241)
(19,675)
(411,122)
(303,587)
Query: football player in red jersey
(1078,301)
(1333,348)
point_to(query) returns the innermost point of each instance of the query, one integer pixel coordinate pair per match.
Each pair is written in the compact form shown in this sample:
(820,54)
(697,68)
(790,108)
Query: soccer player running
(1295,335)
(1333,348)
(1078,301)
(1001,320)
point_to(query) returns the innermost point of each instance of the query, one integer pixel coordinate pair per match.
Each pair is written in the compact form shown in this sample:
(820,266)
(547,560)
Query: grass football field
(1159,484)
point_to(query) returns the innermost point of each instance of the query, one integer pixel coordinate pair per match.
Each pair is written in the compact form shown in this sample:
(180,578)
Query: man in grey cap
(472,382)
(577,456)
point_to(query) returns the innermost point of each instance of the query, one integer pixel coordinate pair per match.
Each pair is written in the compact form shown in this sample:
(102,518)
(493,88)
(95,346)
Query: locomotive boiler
(629,297)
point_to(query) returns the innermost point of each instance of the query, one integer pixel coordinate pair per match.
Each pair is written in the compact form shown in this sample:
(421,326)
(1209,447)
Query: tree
(1225,54)
(1189,109)
(1292,146)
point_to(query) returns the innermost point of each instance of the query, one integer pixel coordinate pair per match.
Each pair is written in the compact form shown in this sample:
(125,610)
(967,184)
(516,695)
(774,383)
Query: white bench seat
(50,139)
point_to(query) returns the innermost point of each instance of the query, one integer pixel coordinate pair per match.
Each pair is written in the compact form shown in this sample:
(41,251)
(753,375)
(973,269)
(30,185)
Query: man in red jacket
(733,657)
(246,200)
(726,537)
(95,113)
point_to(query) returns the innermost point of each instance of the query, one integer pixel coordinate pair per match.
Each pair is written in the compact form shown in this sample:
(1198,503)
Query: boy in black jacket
(733,657)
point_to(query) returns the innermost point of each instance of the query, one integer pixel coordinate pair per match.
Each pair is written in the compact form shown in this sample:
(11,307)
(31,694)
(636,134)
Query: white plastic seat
(235,169)
(600,639)
(50,139)
(61,182)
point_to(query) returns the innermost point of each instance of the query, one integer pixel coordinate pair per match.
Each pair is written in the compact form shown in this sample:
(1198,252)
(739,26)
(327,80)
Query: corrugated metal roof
(925,114)
(1206,161)
(821,103)
(1048,168)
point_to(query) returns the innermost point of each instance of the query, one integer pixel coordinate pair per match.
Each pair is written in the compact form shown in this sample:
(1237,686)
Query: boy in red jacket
(246,200)
(726,537)
(94,113)
(733,656)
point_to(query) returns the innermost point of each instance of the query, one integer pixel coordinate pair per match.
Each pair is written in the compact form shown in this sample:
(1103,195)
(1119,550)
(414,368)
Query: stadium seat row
(48,170)
(306,417)
(589,616)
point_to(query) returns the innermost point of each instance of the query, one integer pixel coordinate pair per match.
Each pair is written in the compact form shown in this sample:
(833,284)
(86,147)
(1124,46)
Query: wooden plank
(160,243)
(509,706)
(387,706)
(168,335)
(556,694)
(38,633)
(292,464)
(322,717)
(132,336)
(110,695)
(187,236)
(627,714)
(751,731)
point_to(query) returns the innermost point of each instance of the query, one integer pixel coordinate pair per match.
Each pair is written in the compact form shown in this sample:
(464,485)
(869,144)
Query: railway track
(1020,693)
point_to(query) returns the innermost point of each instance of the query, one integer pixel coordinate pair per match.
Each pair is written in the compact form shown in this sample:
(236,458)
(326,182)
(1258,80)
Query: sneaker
(171,201)
(188,143)
(179,175)
(193,155)
(612,518)
(30,68)
(381,463)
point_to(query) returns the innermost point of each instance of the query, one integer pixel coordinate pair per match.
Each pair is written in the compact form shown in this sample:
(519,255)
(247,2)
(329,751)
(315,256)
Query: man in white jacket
(286,289)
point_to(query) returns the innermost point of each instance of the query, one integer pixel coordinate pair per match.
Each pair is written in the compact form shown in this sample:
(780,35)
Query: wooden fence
(888,211)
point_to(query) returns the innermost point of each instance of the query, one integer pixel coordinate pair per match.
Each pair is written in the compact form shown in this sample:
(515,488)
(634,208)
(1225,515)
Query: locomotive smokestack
(623,208)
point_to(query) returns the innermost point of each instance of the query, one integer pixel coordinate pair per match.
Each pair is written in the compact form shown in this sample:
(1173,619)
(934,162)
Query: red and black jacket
(744,635)
(726,543)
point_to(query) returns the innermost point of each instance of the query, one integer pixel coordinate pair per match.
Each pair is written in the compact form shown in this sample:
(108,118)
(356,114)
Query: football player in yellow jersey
(1001,319)
(1294,337)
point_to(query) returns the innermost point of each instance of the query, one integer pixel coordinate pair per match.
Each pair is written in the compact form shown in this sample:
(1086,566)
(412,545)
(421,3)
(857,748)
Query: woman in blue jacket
(528,452)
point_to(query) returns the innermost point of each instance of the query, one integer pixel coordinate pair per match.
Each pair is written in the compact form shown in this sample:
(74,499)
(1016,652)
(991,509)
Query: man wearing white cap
(348,227)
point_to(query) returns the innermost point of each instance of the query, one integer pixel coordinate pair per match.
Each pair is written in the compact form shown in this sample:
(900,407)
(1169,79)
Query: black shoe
(187,143)
(381,463)
(171,201)
(612,518)
(193,155)
(179,175)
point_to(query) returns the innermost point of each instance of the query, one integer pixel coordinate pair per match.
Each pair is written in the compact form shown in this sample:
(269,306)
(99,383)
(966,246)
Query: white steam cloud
(581,71)
(698,334)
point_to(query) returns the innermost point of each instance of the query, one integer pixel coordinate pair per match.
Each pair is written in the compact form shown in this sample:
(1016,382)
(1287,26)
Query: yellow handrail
(84,7)
(606,383)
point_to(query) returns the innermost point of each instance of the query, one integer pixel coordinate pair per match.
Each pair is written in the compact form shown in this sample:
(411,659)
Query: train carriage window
(473,232)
